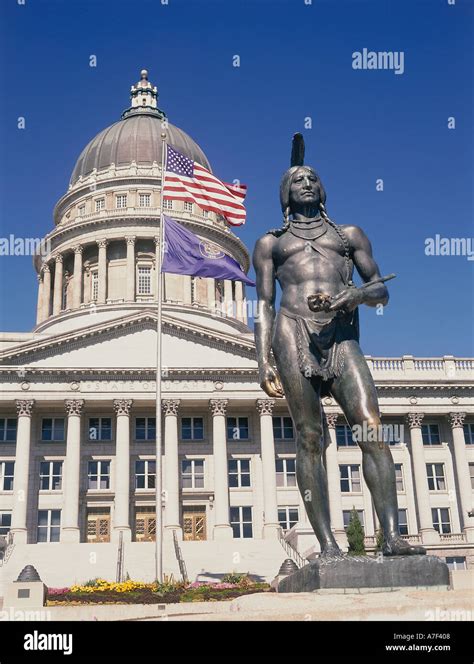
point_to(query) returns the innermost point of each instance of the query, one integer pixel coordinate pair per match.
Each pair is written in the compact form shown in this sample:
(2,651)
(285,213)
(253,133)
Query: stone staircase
(205,561)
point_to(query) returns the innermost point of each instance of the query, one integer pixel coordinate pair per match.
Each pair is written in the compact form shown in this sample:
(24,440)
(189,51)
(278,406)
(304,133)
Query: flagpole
(158,454)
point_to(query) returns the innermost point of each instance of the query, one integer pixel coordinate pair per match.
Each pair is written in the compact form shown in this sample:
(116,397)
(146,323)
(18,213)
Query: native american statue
(315,342)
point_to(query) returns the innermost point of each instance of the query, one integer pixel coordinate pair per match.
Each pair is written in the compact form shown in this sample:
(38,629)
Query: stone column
(187,289)
(244,306)
(228,298)
(77,278)
(102,269)
(334,483)
(239,300)
(271,525)
(211,294)
(222,528)
(70,531)
(122,469)
(130,295)
(456,421)
(58,285)
(171,475)
(427,532)
(409,492)
(46,291)
(22,470)
(39,307)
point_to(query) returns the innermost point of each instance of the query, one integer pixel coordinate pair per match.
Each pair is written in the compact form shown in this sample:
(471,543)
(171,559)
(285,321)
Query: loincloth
(321,344)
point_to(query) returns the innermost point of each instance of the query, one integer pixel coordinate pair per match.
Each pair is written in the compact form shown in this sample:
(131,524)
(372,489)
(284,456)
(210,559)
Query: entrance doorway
(98,524)
(145,524)
(194,523)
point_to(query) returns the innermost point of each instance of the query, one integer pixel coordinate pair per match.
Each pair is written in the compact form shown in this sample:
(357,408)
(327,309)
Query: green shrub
(355,535)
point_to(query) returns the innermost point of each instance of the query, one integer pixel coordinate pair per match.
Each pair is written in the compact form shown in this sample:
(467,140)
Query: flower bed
(99,591)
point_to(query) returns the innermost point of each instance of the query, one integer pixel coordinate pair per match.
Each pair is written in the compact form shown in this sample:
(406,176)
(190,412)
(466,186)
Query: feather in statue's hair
(297,150)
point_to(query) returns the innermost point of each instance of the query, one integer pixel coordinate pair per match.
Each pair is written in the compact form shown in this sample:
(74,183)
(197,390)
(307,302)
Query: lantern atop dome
(144,98)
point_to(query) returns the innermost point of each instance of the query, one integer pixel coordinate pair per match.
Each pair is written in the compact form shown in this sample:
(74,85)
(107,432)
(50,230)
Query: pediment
(130,342)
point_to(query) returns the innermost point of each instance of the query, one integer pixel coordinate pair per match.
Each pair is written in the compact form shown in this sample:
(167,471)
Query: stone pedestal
(26,595)
(358,572)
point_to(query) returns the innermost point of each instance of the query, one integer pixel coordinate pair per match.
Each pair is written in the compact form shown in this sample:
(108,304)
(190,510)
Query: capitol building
(77,402)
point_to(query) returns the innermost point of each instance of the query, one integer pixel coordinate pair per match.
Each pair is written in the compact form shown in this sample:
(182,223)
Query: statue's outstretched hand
(270,382)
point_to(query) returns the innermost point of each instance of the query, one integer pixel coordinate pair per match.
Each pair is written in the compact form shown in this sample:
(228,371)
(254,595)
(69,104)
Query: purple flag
(185,253)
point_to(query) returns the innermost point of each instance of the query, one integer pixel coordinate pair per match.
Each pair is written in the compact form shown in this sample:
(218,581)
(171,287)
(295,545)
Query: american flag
(186,180)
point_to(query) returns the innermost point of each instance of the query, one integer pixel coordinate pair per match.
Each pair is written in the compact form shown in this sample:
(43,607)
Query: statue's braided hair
(344,240)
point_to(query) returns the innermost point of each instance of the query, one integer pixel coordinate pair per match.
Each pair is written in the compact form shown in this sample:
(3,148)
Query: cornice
(74,231)
(225,375)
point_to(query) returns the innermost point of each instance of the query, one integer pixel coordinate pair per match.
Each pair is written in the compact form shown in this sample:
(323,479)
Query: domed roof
(136,137)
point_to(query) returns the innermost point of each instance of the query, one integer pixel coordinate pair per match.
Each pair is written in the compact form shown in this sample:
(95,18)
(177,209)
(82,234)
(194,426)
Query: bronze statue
(315,342)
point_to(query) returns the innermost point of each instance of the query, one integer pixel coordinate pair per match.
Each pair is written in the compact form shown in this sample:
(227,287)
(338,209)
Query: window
(192,472)
(144,200)
(94,286)
(237,428)
(456,562)
(441,520)
(192,428)
(49,522)
(5,522)
(7,469)
(98,475)
(205,214)
(52,428)
(469,433)
(241,521)
(344,436)
(167,204)
(81,210)
(430,434)
(435,473)
(145,474)
(285,472)
(402,521)
(144,280)
(288,517)
(121,201)
(282,428)
(8,429)
(239,472)
(350,479)
(471,473)
(100,428)
(51,475)
(145,428)
(188,207)
(100,204)
(346,517)
(399,477)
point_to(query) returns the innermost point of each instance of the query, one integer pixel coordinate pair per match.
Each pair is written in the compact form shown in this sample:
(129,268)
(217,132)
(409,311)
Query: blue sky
(296,62)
